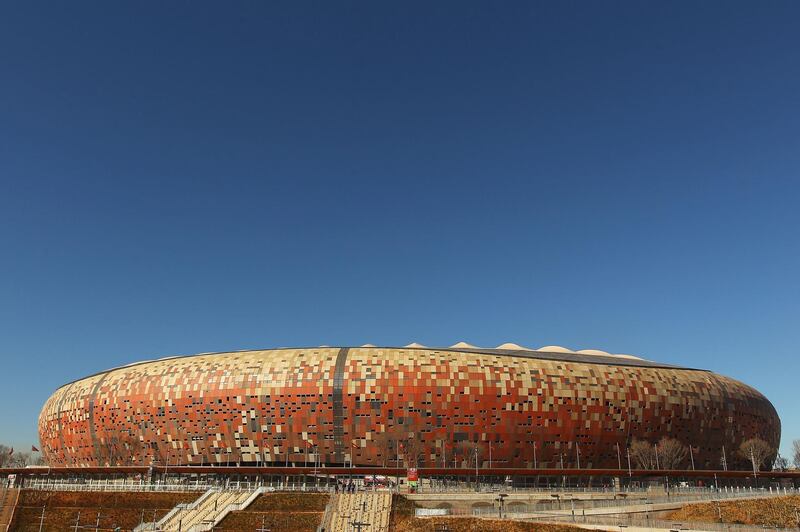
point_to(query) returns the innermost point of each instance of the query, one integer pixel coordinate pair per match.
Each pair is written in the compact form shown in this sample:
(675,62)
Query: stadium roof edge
(532,354)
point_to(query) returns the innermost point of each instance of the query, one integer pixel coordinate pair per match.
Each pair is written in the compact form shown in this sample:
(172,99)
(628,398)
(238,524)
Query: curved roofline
(533,354)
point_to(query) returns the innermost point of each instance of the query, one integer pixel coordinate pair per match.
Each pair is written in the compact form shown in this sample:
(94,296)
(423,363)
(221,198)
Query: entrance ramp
(203,514)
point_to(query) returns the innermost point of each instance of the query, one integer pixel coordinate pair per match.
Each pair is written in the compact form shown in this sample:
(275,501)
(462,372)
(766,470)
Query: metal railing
(514,508)
(232,507)
(138,486)
(179,508)
(626,521)
(438,486)
(53,485)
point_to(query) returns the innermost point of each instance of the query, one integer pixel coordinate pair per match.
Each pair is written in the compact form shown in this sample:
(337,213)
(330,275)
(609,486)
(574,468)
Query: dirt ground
(777,511)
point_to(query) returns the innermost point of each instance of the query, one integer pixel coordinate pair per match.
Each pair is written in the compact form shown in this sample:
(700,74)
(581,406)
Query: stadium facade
(374,406)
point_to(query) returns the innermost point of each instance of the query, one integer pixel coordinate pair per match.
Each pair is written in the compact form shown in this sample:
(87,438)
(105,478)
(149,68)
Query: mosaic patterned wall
(381,406)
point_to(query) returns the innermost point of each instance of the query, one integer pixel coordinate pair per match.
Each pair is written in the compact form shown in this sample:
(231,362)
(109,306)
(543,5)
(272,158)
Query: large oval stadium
(513,406)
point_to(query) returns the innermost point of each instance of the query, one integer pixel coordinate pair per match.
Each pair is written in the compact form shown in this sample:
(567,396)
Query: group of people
(347,487)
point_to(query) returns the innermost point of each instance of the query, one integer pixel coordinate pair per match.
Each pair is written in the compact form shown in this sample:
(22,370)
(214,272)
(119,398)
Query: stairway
(204,513)
(367,512)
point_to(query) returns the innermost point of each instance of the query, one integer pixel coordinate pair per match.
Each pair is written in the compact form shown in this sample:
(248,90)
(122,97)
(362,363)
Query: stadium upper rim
(587,356)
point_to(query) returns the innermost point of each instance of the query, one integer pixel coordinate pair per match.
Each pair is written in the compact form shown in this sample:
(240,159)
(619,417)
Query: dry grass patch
(472,524)
(117,509)
(276,502)
(403,520)
(282,521)
(279,512)
(775,511)
(105,499)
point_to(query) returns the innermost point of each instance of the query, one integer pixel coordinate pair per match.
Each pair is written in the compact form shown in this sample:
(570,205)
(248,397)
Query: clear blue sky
(178,177)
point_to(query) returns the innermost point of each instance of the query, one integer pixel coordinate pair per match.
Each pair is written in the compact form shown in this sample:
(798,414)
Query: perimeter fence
(578,505)
(628,521)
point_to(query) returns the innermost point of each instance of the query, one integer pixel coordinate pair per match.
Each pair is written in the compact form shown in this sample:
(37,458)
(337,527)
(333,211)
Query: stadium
(460,406)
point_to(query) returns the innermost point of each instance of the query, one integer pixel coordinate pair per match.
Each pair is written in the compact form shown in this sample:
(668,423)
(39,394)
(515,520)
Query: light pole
(308,443)
(316,466)
(619,459)
(352,453)
(534,457)
(691,456)
(397,478)
(628,452)
(263,525)
(260,448)
(97,523)
(477,488)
